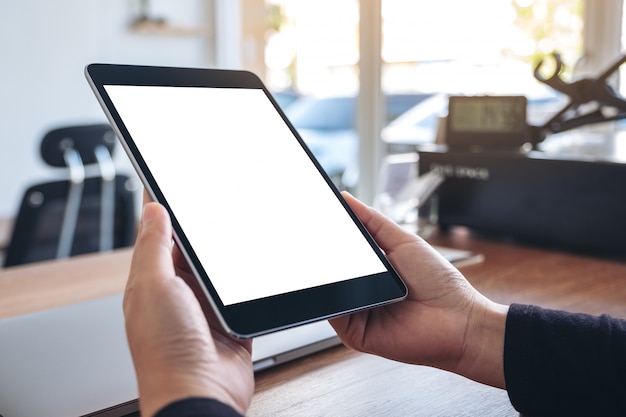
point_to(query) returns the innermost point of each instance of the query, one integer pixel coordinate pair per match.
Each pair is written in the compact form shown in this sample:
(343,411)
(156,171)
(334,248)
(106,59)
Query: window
(428,49)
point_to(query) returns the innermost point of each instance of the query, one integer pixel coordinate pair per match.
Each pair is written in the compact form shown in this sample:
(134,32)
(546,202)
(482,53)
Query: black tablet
(267,235)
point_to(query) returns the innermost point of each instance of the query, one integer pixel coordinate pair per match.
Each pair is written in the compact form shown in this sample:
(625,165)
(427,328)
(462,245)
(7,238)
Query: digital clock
(486,121)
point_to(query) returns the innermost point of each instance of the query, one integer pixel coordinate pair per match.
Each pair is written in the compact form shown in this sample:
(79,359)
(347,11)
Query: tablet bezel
(268,314)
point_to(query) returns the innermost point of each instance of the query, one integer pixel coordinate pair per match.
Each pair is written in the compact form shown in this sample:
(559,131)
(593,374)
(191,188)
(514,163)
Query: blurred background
(359,79)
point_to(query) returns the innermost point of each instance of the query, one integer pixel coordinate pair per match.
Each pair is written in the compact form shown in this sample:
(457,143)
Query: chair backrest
(80,214)
(84,139)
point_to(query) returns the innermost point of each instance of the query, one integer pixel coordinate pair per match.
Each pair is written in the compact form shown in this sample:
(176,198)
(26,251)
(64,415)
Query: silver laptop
(74,360)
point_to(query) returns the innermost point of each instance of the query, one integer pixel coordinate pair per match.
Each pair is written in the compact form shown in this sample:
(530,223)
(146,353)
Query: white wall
(44,46)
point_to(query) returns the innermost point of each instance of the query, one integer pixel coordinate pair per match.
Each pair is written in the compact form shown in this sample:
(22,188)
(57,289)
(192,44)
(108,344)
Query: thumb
(152,255)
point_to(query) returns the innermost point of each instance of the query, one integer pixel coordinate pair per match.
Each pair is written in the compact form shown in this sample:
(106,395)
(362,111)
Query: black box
(565,203)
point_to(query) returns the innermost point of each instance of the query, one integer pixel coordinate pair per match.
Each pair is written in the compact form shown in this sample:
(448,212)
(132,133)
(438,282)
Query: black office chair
(92,210)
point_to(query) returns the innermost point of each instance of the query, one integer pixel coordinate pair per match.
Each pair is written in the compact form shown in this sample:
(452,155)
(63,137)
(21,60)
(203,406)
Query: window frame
(602,21)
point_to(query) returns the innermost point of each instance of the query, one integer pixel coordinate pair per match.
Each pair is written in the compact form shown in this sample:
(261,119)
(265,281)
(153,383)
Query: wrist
(162,389)
(483,350)
(157,393)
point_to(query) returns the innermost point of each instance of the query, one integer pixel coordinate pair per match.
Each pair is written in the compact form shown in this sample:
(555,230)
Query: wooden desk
(340,381)
(549,278)
(42,285)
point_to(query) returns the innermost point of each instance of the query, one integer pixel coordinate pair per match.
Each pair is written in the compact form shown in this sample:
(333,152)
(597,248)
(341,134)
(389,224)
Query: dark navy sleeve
(565,364)
(197,407)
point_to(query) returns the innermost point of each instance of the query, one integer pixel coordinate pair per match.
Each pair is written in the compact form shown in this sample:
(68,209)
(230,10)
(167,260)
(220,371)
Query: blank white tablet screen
(255,209)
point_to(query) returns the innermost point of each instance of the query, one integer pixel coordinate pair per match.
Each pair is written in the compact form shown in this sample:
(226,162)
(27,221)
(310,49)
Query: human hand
(444,322)
(175,352)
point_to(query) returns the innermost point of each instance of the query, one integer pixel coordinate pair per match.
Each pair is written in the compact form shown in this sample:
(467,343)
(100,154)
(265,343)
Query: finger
(152,256)
(386,233)
(146,197)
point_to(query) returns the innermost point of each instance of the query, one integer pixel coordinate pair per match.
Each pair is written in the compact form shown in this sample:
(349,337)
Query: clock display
(497,114)
(486,120)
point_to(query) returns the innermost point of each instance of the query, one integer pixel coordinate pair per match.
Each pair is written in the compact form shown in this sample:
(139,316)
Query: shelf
(162,28)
